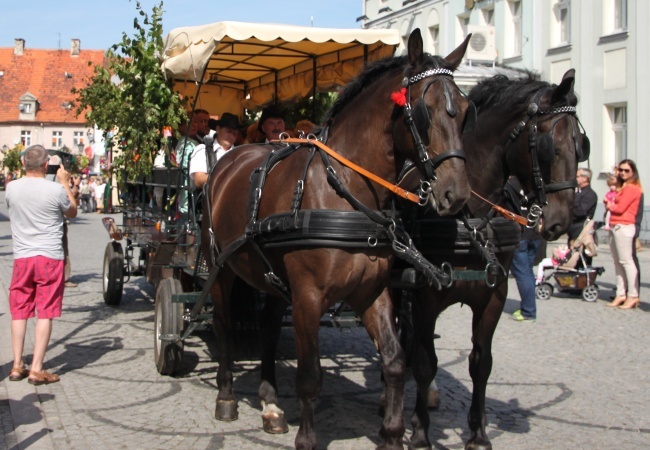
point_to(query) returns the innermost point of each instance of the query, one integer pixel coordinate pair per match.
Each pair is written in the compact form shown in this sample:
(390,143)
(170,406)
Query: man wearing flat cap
(226,131)
(271,123)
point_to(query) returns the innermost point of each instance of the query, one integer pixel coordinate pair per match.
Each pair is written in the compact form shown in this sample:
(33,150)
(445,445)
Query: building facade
(36,102)
(607,42)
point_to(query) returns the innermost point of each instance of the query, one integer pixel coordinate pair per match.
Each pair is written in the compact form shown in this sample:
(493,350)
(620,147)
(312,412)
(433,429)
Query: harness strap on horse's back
(346,162)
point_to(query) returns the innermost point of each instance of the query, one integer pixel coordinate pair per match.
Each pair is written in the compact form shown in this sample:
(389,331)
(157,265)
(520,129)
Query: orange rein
(504,212)
(346,162)
(390,186)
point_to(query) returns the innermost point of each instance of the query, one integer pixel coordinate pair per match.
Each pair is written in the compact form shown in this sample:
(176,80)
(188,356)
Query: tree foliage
(11,160)
(130,99)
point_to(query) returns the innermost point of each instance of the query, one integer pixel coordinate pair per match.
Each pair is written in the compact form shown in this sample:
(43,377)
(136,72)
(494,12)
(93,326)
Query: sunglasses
(625,170)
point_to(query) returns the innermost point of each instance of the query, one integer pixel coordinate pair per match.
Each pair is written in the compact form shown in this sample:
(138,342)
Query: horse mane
(502,93)
(375,71)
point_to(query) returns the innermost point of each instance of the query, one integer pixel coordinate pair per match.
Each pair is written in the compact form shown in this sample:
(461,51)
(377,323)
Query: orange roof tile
(42,73)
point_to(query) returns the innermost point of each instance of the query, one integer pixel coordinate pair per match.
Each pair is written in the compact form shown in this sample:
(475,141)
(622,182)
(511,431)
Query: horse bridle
(540,187)
(430,164)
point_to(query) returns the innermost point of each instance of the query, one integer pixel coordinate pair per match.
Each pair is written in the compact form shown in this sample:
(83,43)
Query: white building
(606,41)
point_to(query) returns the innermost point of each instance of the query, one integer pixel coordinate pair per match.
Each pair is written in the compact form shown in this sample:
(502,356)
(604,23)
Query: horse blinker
(422,120)
(545,147)
(584,149)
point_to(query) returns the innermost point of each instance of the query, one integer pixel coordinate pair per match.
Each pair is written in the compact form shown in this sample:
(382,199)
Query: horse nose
(453,200)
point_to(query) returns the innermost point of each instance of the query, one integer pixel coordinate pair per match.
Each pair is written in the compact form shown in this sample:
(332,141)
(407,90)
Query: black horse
(528,129)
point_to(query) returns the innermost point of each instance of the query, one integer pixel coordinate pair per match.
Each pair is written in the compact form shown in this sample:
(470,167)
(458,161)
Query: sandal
(18,373)
(43,377)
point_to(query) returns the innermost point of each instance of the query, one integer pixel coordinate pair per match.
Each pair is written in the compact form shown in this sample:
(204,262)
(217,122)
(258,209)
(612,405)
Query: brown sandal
(43,377)
(18,373)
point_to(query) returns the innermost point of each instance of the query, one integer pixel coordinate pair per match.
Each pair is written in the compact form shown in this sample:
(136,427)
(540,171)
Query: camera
(58,157)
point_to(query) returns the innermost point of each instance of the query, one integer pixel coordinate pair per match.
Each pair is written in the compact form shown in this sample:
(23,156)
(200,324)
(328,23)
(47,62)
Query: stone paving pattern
(577,378)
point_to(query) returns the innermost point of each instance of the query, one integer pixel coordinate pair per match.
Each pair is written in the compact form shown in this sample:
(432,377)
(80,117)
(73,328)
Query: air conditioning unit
(482,44)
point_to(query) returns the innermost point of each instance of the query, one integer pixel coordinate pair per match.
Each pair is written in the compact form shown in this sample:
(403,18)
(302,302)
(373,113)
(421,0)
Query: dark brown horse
(524,128)
(370,128)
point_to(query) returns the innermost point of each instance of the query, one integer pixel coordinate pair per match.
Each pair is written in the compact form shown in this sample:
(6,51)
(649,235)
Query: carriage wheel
(543,291)
(113,278)
(168,319)
(590,293)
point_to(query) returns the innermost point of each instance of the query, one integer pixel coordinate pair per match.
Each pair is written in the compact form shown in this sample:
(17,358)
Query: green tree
(130,99)
(11,160)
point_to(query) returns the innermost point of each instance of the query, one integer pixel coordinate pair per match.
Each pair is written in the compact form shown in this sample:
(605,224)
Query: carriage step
(189,297)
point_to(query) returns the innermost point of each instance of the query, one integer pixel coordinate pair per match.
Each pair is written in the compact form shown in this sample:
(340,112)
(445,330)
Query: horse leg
(273,419)
(379,322)
(226,408)
(484,324)
(306,315)
(424,365)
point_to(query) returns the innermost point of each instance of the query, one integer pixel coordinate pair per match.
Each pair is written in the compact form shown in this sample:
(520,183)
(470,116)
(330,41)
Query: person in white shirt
(226,132)
(99,194)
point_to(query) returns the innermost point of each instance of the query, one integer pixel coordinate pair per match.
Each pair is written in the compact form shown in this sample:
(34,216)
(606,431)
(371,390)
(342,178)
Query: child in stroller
(569,267)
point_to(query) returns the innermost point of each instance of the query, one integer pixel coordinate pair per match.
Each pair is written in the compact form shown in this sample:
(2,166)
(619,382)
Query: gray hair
(35,158)
(585,172)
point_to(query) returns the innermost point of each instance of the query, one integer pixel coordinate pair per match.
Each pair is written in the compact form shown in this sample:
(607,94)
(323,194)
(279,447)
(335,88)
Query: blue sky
(50,24)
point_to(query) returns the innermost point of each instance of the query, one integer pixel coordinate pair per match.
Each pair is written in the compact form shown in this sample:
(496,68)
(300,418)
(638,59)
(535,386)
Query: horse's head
(428,122)
(550,143)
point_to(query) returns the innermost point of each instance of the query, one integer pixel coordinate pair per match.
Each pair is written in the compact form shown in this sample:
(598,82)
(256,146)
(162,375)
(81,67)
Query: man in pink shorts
(37,210)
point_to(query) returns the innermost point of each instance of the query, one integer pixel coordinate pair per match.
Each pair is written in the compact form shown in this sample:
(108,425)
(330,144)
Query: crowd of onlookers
(90,196)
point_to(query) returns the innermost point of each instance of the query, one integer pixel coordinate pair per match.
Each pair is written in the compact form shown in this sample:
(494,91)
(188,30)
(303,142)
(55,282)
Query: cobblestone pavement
(577,378)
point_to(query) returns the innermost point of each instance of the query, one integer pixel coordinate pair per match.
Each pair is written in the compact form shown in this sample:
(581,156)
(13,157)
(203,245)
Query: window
(57,139)
(618,116)
(433,25)
(513,32)
(620,15)
(562,12)
(26,108)
(434,32)
(78,138)
(26,138)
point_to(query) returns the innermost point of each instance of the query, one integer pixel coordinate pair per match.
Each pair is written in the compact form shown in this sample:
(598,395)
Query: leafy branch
(130,99)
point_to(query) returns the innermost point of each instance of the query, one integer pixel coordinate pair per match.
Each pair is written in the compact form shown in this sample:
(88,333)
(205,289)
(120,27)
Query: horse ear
(565,89)
(415,47)
(455,57)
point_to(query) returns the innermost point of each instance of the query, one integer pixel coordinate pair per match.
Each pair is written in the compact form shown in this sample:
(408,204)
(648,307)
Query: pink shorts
(36,285)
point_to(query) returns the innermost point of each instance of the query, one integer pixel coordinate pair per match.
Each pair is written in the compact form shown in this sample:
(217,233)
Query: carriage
(221,67)
(319,268)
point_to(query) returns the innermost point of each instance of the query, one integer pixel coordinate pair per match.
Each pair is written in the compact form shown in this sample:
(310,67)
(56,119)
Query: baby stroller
(574,274)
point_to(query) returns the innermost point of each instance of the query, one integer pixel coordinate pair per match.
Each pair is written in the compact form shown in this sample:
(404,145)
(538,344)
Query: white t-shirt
(36,208)
(99,191)
(199,162)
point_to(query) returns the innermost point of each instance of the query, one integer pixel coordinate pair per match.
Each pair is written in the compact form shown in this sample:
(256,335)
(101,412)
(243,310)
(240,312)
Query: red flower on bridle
(399,97)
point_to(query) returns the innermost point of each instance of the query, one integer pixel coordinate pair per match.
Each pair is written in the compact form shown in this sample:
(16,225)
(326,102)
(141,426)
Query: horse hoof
(433,399)
(476,445)
(420,447)
(226,410)
(275,424)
